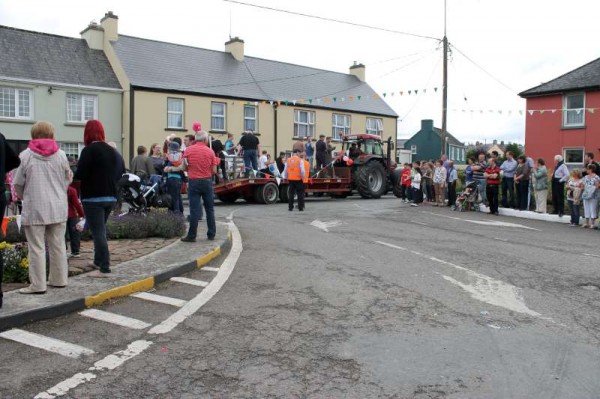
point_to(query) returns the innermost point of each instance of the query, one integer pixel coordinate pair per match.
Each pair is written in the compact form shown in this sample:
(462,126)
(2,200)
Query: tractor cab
(362,146)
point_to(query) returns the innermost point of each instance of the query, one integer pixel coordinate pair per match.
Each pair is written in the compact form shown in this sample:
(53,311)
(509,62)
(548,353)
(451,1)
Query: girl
(416,187)
(590,184)
(574,196)
(439,182)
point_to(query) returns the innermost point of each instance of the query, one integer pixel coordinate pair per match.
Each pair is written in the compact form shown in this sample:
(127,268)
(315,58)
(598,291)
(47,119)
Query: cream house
(168,87)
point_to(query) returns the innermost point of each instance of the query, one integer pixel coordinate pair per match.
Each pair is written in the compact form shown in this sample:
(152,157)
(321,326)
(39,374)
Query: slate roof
(51,58)
(173,67)
(584,77)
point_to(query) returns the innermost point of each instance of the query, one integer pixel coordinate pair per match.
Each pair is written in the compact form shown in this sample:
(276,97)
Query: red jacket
(405,177)
(75,208)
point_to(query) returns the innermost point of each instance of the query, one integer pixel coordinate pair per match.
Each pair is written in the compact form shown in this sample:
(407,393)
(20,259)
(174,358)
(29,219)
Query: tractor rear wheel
(370,180)
(229,198)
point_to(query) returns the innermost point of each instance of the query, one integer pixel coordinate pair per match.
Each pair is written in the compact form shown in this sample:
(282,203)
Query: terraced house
(167,87)
(56,79)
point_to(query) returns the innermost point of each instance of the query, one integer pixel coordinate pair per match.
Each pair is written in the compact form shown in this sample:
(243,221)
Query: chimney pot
(358,70)
(235,47)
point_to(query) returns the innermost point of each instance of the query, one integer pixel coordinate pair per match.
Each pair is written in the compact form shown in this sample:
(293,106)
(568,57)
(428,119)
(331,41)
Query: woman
(492,176)
(574,196)
(157,158)
(42,181)
(99,168)
(590,184)
(559,177)
(439,182)
(427,185)
(416,186)
(174,169)
(522,175)
(540,185)
(469,170)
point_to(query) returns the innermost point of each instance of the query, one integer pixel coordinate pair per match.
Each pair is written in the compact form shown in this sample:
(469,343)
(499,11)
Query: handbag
(588,192)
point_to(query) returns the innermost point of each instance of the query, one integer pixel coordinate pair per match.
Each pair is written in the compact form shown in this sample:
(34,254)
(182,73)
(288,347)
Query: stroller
(141,196)
(468,199)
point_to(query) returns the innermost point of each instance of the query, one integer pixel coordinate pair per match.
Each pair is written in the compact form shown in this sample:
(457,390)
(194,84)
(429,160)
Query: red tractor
(373,170)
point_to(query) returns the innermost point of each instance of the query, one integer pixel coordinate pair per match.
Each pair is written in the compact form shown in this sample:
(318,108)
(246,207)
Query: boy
(405,182)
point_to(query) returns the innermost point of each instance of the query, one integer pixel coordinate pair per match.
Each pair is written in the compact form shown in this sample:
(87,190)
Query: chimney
(94,36)
(502,142)
(110,23)
(495,142)
(235,47)
(427,125)
(358,70)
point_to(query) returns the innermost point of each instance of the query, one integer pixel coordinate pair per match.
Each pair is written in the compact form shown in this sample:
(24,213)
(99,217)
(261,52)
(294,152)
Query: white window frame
(182,112)
(17,94)
(255,119)
(343,127)
(64,145)
(564,151)
(413,149)
(580,112)
(310,123)
(219,116)
(81,98)
(377,129)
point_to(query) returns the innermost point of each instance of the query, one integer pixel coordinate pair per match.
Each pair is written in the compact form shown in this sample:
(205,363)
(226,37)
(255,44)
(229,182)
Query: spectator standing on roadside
(469,170)
(574,196)
(417,192)
(452,179)
(588,159)
(427,183)
(590,194)
(439,182)
(201,164)
(158,160)
(559,177)
(175,176)
(188,140)
(492,174)
(74,215)
(540,185)
(405,183)
(142,165)
(251,146)
(522,174)
(478,171)
(508,169)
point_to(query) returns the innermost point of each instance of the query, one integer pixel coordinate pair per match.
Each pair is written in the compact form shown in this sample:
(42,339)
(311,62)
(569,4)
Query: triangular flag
(4,225)
(578,111)
(500,111)
(384,94)
(392,94)
(334,99)
(401,93)
(520,112)
(542,111)
(350,98)
(359,98)
(531,112)
(481,111)
(553,111)
(591,110)
(416,91)
(409,92)
(424,91)
(271,102)
(310,100)
(435,89)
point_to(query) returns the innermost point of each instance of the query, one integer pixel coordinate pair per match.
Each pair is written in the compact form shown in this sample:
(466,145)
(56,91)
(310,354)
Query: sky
(499,48)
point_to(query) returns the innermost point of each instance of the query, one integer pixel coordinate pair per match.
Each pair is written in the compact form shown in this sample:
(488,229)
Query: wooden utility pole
(444,89)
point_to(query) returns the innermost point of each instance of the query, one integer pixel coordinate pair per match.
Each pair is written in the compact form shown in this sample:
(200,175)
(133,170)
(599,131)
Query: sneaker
(413,204)
(73,255)
(27,291)
(210,238)
(188,239)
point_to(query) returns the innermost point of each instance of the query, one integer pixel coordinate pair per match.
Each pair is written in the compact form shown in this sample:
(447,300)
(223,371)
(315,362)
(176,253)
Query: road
(351,298)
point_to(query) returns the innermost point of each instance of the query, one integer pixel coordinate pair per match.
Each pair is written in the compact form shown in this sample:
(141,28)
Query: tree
(515,149)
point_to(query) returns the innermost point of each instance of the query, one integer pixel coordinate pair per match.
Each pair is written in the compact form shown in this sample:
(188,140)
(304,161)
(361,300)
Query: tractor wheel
(284,193)
(396,188)
(267,194)
(370,180)
(229,198)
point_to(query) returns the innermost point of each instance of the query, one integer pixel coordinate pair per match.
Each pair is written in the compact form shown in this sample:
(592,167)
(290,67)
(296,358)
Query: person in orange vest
(295,173)
(306,168)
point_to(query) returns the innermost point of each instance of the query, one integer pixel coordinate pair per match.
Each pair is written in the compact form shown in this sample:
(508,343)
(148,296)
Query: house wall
(150,120)
(52,107)
(428,145)
(544,135)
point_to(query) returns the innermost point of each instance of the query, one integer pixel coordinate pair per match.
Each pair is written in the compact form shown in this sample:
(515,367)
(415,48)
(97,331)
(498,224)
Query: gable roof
(451,139)
(584,77)
(50,58)
(172,67)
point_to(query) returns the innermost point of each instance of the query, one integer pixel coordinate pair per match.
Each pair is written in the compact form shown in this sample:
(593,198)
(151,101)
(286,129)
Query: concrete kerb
(144,284)
(544,217)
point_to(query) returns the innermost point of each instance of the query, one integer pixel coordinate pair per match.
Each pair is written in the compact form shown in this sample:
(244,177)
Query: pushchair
(469,198)
(140,195)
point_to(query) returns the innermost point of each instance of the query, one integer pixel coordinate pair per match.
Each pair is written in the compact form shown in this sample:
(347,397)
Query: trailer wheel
(283,193)
(370,180)
(270,193)
(229,198)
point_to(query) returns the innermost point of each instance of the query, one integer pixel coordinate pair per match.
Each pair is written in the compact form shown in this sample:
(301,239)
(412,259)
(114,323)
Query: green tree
(473,152)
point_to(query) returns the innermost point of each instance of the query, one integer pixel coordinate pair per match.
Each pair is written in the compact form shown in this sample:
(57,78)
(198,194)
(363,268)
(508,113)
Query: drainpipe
(275,152)
(131,122)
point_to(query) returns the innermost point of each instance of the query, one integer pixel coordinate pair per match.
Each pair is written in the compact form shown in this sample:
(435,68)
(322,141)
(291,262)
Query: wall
(544,135)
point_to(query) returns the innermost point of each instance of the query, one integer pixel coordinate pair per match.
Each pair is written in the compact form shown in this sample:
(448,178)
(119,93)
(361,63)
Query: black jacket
(9,160)
(98,169)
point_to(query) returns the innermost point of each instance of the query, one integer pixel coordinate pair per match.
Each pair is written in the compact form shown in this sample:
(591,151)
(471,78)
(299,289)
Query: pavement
(137,266)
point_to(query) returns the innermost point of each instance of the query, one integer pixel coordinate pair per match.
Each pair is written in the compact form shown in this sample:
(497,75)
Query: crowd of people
(510,184)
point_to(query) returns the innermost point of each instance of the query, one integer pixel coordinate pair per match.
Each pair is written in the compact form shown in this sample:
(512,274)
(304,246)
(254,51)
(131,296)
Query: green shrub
(16,264)
(157,223)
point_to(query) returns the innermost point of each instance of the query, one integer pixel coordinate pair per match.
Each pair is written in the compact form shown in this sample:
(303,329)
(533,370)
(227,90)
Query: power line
(426,85)
(331,20)
(405,65)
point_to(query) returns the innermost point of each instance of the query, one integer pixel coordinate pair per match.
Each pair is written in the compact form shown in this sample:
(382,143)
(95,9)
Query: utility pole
(444,89)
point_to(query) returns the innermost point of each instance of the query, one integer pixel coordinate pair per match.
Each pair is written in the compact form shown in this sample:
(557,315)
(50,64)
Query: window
(16,103)
(375,126)
(175,107)
(71,149)
(250,117)
(574,110)
(413,149)
(81,107)
(573,155)
(304,123)
(340,126)
(217,120)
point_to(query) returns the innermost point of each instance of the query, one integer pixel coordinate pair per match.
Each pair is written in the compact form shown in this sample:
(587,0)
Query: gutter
(57,84)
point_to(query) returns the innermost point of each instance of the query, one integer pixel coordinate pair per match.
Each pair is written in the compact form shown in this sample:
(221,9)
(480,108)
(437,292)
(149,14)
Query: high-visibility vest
(293,168)
(306,171)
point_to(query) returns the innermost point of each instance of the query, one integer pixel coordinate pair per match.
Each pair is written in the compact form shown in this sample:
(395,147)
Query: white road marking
(210,269)
(482,287)
(49,344)
(495,223)
(190,281)
(421,223)
(592,255)
(167,300)
(110,362)
(325,226)
(114,318)
(215,285)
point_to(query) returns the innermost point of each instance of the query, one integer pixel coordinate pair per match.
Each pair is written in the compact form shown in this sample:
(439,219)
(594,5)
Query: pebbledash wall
(546,135)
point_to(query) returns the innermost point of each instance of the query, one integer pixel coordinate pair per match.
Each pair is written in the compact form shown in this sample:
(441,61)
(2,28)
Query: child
(175,176)
(75,212)
(574,196)
(405,183)
(416,186)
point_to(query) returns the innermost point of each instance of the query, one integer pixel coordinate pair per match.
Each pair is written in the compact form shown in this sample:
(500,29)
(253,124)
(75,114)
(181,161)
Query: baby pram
(469,198)
(141,196)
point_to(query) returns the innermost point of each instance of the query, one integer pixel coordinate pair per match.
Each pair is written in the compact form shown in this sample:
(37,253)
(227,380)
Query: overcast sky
(519,44)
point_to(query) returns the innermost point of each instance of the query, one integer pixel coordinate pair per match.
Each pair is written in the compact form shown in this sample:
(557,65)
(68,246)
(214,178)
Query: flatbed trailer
(269,190)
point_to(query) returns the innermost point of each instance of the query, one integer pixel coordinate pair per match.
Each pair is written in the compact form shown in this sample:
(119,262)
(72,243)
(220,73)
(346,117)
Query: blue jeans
(201,189)
(96,215)
(482,190)
(508,192)
(574,213)
(174,190)
(250,161)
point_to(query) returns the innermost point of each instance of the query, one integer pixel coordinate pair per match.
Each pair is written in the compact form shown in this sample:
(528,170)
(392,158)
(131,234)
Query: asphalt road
(355,298)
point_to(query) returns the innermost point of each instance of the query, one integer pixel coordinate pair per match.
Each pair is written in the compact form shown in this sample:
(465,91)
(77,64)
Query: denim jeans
(74,235)
(250,161)
(482,190)
(201,189)
(96,215)
(574,213)
(174,190)
(508,192)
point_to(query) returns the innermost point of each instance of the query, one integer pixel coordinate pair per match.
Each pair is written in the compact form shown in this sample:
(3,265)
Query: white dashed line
(49,344)
(114,318)
(592,255)
(167,300)
(190,281)
(210,269)
(421,223)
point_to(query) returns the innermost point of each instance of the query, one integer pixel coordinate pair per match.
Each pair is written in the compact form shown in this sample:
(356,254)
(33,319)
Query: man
(142,164)
(229,145)
(321,150)
(188,140)
(508,169)
(559,177)
(201,164)
(478,171)
(309,150)
(251,146)
(262,161)
(330,149)
(280,161)
(445,161)
(295,173)
(587,160)
(299,145)
(218,148)
(452,178)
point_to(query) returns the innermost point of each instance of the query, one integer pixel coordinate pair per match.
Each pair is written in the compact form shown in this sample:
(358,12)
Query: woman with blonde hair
(574,196)
(42,181)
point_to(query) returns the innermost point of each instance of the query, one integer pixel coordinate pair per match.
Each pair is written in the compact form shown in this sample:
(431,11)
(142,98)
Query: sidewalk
(139,274)
(545,217)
